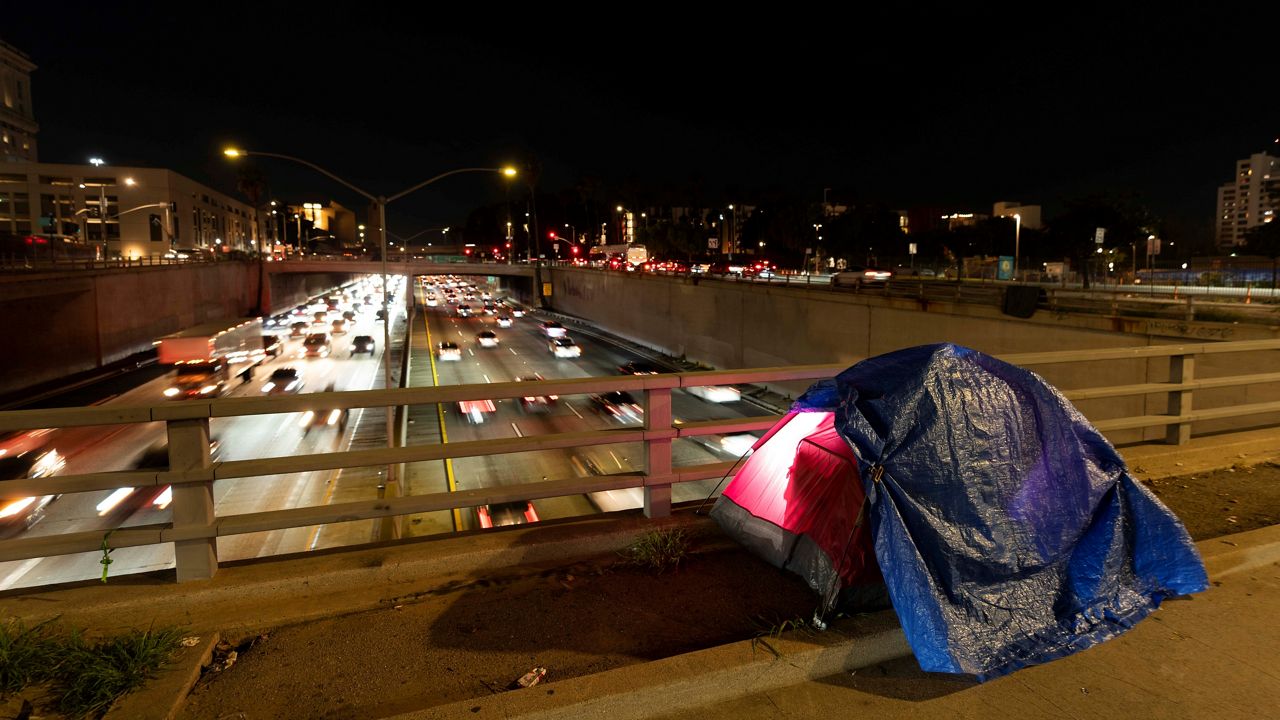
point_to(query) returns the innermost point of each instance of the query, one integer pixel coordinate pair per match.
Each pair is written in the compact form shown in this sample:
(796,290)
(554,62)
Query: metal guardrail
(191,472)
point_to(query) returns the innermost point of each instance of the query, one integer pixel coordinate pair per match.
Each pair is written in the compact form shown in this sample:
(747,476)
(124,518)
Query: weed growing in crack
(658,550)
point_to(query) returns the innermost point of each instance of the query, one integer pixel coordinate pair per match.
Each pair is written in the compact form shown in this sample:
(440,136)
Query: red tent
(780,505)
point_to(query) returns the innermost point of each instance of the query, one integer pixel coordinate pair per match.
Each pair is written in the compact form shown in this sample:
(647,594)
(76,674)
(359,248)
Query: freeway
(96,449)
(523,351)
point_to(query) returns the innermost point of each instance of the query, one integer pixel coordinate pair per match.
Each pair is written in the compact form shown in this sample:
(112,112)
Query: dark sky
(913,107)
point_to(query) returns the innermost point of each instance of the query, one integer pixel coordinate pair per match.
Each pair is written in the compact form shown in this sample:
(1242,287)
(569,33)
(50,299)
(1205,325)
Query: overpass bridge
(398,266)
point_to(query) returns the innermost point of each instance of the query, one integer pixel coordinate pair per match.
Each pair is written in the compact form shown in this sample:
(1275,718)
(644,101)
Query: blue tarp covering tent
(1007,529)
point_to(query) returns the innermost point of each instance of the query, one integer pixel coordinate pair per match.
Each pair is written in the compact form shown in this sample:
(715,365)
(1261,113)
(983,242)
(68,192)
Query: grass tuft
(658,550)
(27,654)
(774,631)
(92,676)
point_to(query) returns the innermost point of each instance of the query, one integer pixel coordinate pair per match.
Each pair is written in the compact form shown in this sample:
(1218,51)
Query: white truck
(206,357)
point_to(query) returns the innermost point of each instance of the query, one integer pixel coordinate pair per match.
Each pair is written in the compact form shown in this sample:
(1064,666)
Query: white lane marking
(518,433)
(615,459)
(513,351)
(486,378)
(575,412)
(19,573)
(471,352)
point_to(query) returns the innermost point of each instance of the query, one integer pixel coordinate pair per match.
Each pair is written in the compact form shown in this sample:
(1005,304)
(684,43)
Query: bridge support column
(1181,369)
(196,559)
(657,416)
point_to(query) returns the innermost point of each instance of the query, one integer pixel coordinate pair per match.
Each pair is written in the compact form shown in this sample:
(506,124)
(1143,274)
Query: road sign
(1153,246)
(911,248)
(1099,234)
(1004,268)
(713,243)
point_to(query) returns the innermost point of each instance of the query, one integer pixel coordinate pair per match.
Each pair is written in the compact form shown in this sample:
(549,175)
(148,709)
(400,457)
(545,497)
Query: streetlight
(1017,242)
(381,201)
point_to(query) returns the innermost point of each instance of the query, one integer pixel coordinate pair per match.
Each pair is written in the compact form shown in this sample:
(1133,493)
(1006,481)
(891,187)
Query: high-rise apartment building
(1249,200)
(17,118)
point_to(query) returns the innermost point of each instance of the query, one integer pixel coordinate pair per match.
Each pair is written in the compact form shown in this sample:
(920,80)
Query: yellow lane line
(444,435)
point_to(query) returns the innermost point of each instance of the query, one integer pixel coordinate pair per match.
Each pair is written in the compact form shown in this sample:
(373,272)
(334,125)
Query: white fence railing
(196,526)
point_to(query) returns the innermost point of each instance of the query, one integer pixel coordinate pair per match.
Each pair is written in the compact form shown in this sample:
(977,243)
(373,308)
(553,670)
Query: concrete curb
(163,698)
(693,679)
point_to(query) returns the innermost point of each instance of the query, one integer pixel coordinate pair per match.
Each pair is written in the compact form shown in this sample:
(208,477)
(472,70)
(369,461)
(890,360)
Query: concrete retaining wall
(739,325)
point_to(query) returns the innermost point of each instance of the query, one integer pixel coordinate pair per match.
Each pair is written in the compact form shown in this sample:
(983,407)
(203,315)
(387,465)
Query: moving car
(475,410)
(504,321)
(18,514)
(564,347)
(432,301)
(339,327)
(131,499)
(363,344)
(489,309)
(857,276)
(639,367)
(536,403)
(316,345)
(618,405)
(511,513)
(448,351)
(283,380)
(517,312)
(553,329)
(298,329)
(716,393)
(487,338)
(272,344)
(324,417)
(464,310)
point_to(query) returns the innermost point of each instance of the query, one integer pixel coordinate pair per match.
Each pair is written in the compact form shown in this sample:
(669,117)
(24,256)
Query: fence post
(657,416)
(1191,309)
(1182,368)
(192,502)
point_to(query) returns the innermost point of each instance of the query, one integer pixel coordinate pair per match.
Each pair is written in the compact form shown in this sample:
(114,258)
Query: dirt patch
(470,640)
(473,640)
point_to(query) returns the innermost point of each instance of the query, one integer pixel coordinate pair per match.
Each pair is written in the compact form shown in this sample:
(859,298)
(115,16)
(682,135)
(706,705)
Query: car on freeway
(18,514)
(504,321)
(640,367)
(487,338)
(476,410)
(298,329)
(158,497)
(738,444)
(858,276)
(363,344)
(283,380)
(272,344)
(448,351)
(432,301)
(618,405)
(321,418)
(520,512)
(536,403)
(319,317)
(486,295)
(464,310)
(716,393)
(564,347)
(381,315)
(339,327)
(489,309)
(517,312)
(316,344)
(553,329)
(349,315)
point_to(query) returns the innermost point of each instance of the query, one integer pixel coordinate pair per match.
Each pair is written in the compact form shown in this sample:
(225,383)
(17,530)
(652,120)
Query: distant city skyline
(957,111)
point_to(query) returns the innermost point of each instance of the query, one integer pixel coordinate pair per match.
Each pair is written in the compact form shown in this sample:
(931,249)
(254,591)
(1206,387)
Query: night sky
(910,108)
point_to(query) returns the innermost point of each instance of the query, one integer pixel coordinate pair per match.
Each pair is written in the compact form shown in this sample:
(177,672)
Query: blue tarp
(1008,530)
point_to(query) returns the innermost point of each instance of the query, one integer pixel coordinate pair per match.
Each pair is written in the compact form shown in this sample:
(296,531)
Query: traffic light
(466,251)
(575,249)
(508,246)
(551,234)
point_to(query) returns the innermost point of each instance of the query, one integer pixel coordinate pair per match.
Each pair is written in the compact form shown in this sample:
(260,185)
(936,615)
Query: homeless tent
(1007,529)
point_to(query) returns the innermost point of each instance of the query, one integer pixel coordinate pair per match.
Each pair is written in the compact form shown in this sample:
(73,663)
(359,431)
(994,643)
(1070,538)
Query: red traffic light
(508,246)
(551,234)
(575,249)
(467,251)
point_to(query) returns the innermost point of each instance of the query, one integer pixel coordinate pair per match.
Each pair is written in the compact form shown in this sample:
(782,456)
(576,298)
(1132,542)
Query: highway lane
(523,351)
(118,447)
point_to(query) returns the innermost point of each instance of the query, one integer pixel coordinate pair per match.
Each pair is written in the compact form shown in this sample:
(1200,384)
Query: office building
(1251,199)
(17,117)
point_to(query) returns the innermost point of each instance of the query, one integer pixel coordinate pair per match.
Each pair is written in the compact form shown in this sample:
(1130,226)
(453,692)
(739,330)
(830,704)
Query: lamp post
(1017,243)
(381,201)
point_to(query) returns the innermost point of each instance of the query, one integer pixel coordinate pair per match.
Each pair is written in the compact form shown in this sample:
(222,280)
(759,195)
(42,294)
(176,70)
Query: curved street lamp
(381,201)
